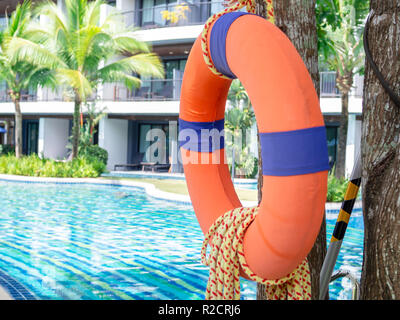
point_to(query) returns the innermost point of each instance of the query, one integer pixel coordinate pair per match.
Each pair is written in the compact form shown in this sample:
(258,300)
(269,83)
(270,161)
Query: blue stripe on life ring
(201,136)
(218,42)
(294,152)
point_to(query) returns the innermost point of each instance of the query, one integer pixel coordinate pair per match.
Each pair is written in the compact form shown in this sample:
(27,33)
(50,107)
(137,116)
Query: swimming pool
(86,241)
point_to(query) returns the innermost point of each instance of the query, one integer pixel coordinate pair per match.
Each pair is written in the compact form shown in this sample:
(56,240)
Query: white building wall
(125,5)
(113,136)
(53,138)
(353,143)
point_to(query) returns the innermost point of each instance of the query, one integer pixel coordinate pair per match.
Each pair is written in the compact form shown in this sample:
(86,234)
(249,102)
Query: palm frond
(20,49)
(126,42)
(76,80)
(145,64)
(19,19)
(83,40)
(75,12)
(113,76)
(92,13)
(55,17)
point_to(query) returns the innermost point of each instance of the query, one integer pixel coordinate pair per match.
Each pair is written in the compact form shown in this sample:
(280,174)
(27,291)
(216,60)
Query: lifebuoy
(292,136)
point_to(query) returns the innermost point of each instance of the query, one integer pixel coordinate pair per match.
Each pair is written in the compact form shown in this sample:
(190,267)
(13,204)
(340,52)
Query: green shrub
(94,152)
(32,165)
(336,188)
(7,149)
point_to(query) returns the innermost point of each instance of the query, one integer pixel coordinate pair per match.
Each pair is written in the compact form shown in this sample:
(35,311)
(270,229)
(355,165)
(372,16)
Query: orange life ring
(292,135)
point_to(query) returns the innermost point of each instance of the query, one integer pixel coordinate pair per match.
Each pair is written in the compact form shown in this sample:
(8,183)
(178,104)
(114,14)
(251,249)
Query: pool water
(82,241)
(351,253)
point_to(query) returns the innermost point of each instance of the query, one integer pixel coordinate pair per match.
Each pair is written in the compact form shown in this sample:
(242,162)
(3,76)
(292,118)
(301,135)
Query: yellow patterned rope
(226,259)
(233,5)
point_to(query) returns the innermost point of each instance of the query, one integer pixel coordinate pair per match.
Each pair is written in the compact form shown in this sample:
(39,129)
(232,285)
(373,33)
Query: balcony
(180,14)
(151,90)
(164,90)
(328,87)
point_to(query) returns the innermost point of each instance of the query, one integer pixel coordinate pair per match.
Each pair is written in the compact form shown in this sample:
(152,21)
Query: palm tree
(347,58)
(79,45)
(20,75)
(239,118)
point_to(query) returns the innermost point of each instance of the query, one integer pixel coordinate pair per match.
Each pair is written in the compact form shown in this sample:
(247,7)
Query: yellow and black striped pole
(340,229)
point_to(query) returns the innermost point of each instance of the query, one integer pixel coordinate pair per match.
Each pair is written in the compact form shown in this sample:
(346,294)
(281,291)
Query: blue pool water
(351,253)
(69,241)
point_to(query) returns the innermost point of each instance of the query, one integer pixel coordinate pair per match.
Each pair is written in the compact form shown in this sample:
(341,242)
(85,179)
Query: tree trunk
(380,149)
(297,20)
(76,126)
(340,167)
(18,129)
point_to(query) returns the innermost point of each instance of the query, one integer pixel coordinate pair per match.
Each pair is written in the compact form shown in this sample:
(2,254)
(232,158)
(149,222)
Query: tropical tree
(344,54)
(380,150)
(239,118)
(93,115)
(81,47)
(19,75)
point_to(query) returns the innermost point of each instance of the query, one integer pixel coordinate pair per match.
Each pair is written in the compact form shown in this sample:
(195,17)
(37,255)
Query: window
(112,3)
(151,11)
(163,89)
(161,153)
(174,68)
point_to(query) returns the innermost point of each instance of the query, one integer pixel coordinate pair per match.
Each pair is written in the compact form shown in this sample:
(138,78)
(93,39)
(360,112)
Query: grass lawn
(179,186)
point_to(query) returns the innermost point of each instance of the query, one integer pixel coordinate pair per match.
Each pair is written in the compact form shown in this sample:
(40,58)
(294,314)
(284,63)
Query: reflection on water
(64,241)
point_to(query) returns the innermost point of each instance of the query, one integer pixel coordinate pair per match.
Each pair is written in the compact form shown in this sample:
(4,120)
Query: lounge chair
(127,165)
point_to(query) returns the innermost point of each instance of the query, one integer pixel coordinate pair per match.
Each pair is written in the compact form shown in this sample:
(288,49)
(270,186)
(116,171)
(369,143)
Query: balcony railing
(165,90)
(183,13)
(4,97)
(155,90)
(328,85)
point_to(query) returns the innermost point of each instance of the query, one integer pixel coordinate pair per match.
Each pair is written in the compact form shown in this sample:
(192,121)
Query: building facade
(132,113)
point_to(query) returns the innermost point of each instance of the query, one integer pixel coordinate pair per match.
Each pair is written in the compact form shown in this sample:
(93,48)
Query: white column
(42,124)
(53,138)
(125,5)
(113,136)
(61,4)
(350,145)
(357,143)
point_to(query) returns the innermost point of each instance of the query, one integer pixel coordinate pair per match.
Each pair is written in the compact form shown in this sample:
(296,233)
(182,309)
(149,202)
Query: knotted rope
(226,259)
(232,6)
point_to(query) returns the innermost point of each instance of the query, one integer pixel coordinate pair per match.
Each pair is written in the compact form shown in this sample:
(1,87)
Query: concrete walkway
(4,295)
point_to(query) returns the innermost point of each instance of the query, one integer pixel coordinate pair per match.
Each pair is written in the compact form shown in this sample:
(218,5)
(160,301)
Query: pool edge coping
(11,289)
(149,188)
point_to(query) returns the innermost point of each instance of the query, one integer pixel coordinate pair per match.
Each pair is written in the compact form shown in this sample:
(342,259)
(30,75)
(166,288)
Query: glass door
(147,12)
(33,136)
(148,137)
(331,136)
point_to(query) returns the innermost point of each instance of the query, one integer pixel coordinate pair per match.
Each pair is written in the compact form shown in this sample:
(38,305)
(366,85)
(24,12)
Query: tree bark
(261,10)
(380,149)
(18,128)
(297,20)
(76,126)
(340,167)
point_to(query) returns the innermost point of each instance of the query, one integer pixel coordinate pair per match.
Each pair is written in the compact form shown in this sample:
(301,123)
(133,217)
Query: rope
(233,5)
(226,259)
